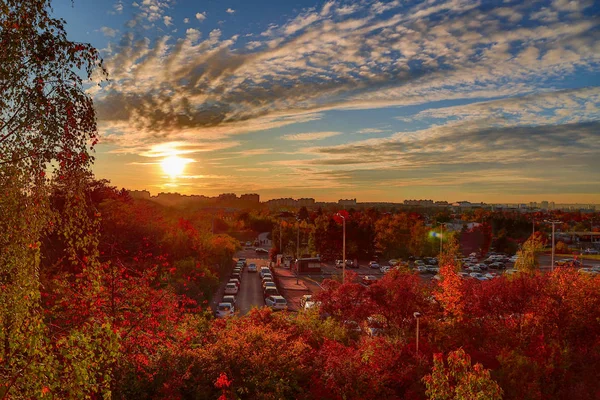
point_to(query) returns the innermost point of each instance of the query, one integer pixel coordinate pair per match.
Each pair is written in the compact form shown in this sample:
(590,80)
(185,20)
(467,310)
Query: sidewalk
(292,291)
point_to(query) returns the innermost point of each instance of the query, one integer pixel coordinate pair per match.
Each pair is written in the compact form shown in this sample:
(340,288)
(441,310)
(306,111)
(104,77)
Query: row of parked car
(270,292)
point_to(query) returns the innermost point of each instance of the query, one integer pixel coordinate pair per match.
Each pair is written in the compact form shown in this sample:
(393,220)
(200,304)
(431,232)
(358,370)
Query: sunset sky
(494,101)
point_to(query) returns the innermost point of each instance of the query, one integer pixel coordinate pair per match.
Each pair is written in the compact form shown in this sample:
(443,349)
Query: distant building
(462,204)
(544,205)
(347,202)
(139,194)
(251,198)
(533,204)
(441,203)
(306,202)
(227,197)
(422,203)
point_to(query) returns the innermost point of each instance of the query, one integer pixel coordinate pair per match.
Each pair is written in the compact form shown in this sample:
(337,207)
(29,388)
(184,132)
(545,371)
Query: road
(250,294)
(546,261)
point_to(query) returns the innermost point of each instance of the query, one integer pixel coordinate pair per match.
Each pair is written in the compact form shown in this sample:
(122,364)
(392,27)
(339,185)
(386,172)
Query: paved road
(546,261)
(250,294)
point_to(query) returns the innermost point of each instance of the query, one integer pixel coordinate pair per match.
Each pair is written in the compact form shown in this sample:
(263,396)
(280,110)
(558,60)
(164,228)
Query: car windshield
(281,301)
(224,307)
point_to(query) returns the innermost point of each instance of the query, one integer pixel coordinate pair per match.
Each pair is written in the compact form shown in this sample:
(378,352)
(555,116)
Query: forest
(102,296)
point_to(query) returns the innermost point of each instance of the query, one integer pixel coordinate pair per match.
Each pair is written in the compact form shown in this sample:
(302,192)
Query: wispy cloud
(310,136)
(108,32)
(230,11)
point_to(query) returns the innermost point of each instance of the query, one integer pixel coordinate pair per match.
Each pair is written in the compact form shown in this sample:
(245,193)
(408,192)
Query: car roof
(276,296)
(231,283)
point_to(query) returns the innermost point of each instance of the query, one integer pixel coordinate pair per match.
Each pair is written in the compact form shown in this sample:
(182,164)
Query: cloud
(230,11)
(108,32)
(201,16)
(367,131)
(168,20)
(186,20)
(382,55)
(117,7)
(310,136)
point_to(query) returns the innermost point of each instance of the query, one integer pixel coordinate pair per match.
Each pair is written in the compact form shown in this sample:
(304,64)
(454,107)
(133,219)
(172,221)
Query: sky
(493,101)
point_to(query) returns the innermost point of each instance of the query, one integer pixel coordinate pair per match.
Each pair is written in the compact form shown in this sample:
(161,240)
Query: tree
(46,117)
(459,380)
(527,256)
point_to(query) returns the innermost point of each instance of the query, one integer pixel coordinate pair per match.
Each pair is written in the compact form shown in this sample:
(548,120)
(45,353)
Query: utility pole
(298,253)
(441,238)
(552,246)
(280,239)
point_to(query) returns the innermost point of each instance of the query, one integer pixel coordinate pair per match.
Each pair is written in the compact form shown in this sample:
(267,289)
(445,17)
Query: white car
(264,271)
(385,269)
(276,302)
(393,262)
(491,275)
(591,251)
(478,276)
(224,310)
(252,268)
(231,288)
(229,299)
(373,263)
(473,268)
(588,271)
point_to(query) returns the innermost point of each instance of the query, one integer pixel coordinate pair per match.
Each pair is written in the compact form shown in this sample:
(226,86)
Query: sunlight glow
(173,166)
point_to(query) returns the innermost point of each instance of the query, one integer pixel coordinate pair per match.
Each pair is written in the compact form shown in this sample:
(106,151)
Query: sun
(173,166)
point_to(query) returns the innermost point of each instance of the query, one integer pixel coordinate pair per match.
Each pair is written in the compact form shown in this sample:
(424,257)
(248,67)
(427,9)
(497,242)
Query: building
(347,202)
(544,205)
(227,197)
(421,203)
(306,202)
(139,194)
(251,198)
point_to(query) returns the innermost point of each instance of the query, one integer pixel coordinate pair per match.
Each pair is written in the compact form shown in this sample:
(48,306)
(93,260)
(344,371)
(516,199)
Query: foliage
(460,380)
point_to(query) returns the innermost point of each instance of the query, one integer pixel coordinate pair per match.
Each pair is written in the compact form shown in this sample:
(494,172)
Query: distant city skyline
(255,197)
(495,101)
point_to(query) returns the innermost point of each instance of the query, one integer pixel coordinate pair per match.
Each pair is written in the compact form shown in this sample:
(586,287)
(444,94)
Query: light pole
(441,238)
(417,315)
(552,260)
(343,247)
(297,251)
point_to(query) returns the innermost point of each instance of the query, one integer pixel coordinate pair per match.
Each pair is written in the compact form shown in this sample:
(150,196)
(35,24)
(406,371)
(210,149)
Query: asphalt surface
(250,294)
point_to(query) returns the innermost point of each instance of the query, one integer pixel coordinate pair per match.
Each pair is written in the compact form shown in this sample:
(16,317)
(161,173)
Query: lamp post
(552,260)
(297,251)
(417,315)
(441,238)
(343,247)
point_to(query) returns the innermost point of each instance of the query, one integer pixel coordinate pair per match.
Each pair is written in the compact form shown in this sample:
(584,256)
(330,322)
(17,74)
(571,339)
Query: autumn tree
(527,256)
(47,122)
(459,380)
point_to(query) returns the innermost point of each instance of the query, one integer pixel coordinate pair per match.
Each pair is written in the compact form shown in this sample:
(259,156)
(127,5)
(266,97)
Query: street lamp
(552,261)
(441,237)
(343,247)
(297,251)
(417,315)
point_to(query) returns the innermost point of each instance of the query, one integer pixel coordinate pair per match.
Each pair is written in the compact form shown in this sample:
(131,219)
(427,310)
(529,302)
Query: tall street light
(297,251)
(343,247)
(417,315)
(552,261)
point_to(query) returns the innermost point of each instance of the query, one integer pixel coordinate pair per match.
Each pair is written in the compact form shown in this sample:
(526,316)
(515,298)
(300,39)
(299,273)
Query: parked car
(491,275)
(252,268)
(375,325)
(270,291)
(421,269)
(478,276)
(260,250)
(224,310)
(306,302)
(588,271)
(419,262)
(231,288)
(339,263)
(276,302)
(482,266)
(497,265)
(267,275)
(236,281)
(371,263)
(229,299)
(473,268)
(464,275)
(591,251)
(393,262)
(369,279)
(385,269)
(269,284)
(248,244)
(236,275)
(243,261)
(263,271)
